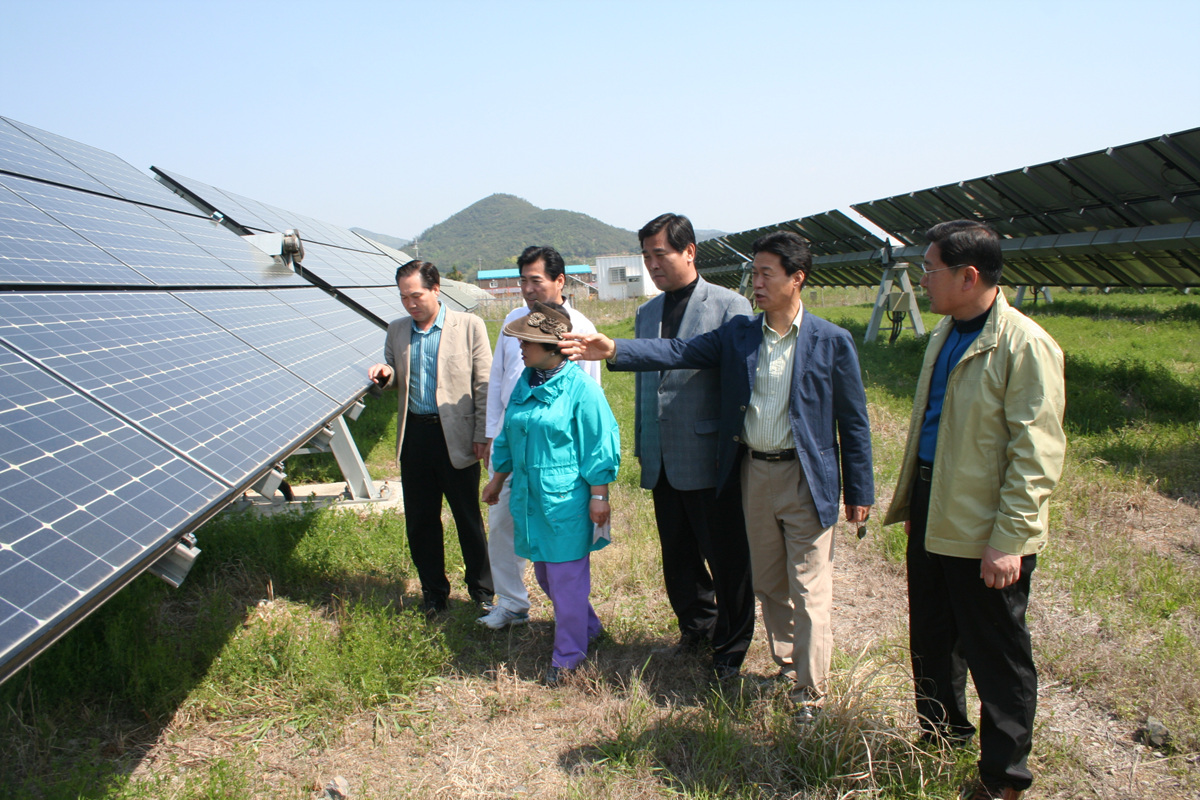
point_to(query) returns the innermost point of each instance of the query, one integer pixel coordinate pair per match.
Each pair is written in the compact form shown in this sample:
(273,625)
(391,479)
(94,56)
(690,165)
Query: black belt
(424,419)
(782,455)
(925,473)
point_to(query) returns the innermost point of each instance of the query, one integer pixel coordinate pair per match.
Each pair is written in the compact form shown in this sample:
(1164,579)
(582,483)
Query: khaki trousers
(791,559)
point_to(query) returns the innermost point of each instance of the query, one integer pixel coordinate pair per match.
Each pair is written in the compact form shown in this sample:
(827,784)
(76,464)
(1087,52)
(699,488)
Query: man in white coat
(543,276)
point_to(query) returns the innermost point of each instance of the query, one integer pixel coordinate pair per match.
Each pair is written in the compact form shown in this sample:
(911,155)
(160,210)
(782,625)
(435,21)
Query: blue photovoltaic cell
(340,267)
(35,248)
(22,155)
(127,232)
(339,319)
(233,250)
(164,366)
(260,216)
(298,344)
(84,497)
(383,303)
(119,176)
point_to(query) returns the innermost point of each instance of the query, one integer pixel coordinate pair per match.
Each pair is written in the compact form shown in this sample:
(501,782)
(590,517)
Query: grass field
(292,653)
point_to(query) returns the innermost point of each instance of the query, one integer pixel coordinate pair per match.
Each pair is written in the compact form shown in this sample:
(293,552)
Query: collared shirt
(507,366)
(768,427)
(422,365)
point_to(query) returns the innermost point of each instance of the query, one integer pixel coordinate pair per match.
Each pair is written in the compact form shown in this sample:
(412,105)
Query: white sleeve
(581,324)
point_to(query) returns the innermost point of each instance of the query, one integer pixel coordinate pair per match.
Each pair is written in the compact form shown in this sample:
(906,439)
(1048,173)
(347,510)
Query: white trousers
(508,569)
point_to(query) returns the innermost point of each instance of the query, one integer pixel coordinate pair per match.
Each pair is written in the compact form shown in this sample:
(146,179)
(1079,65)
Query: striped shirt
(768,427)
(422,365)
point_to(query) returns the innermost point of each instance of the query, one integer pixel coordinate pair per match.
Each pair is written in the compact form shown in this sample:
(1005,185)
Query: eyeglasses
(926,271)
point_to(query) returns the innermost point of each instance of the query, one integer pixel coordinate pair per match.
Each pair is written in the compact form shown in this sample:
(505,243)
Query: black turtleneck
(674,304)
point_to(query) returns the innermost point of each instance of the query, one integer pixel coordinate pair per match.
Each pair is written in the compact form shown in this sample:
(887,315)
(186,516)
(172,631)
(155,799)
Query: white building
(621,277)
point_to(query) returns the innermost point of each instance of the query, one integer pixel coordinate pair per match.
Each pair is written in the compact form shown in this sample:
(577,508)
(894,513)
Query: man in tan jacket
(439,361)
(985,449)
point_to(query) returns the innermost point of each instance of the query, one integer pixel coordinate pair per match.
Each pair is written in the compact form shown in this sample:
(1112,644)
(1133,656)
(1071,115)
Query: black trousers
(957,623)
(426,474)
(715,601)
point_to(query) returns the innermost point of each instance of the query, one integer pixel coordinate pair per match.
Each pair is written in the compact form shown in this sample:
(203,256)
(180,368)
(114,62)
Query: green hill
(491,234)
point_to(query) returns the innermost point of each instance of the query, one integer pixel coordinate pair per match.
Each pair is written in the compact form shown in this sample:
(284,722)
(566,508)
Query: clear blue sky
(395,115)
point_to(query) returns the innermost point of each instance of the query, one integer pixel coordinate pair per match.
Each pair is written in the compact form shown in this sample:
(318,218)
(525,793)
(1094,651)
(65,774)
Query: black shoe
(556,676)
(431,607)
(688,645)
(726,674)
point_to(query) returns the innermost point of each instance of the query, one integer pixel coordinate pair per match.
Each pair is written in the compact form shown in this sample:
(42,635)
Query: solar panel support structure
(177,563)
(1044,291)
(336,438)
(270,485)
(893,274)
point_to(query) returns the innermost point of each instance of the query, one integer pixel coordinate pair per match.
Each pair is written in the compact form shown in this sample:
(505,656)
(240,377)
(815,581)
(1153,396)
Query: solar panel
(844,252)
(349,326)
(22,155)
(1146,183)
(35,248)
(267,322)
(384,303)
(170,370)
(117,176)
(84,499)
(153,364)
(250,213)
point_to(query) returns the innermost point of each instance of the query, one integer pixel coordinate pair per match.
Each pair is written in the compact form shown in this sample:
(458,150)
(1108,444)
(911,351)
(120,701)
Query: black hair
(429,273)
(551,260)
(791,248)
(679,231)
(965,241)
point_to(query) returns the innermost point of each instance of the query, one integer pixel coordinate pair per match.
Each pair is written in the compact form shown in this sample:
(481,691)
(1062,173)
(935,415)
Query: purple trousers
(568,585)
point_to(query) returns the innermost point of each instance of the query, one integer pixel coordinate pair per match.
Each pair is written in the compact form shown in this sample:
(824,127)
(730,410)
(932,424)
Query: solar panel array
(337,258)
(153,365)
(831,235)
(1124,216)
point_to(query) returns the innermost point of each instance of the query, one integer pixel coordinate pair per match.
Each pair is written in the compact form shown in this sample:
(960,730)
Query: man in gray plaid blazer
(676,442)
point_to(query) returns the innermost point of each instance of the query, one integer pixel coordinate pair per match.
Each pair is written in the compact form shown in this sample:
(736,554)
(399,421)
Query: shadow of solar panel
(84,498)
(119,177)
(297,343)
(167,368)
(35,248)
(23,155)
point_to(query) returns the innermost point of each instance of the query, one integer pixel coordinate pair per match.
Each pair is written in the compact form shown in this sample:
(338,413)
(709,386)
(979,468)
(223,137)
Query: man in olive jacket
(985,450)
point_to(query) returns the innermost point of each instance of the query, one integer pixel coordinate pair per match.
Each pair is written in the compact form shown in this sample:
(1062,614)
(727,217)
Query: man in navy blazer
(794,432)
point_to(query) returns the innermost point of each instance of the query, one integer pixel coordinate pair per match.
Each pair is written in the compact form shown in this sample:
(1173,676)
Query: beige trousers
(791,559)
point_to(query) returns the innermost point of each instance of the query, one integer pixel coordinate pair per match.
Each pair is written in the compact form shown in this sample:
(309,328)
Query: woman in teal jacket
(561,444)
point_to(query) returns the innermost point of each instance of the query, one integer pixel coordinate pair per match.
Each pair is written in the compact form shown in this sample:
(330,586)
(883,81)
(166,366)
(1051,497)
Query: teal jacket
(558,440)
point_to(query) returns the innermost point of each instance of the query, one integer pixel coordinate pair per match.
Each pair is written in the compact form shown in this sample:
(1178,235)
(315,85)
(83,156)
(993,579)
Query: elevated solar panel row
(153,364)
(1107,218)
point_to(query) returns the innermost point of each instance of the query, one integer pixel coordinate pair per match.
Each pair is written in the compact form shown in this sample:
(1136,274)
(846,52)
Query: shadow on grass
(81,717)
(1175,308)
(375,434)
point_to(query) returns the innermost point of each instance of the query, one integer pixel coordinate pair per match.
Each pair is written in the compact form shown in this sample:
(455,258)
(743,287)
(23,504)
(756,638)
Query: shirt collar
(795,326)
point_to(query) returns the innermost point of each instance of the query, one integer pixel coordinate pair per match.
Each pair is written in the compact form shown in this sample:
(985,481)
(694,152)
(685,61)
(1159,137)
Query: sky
(393,116)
